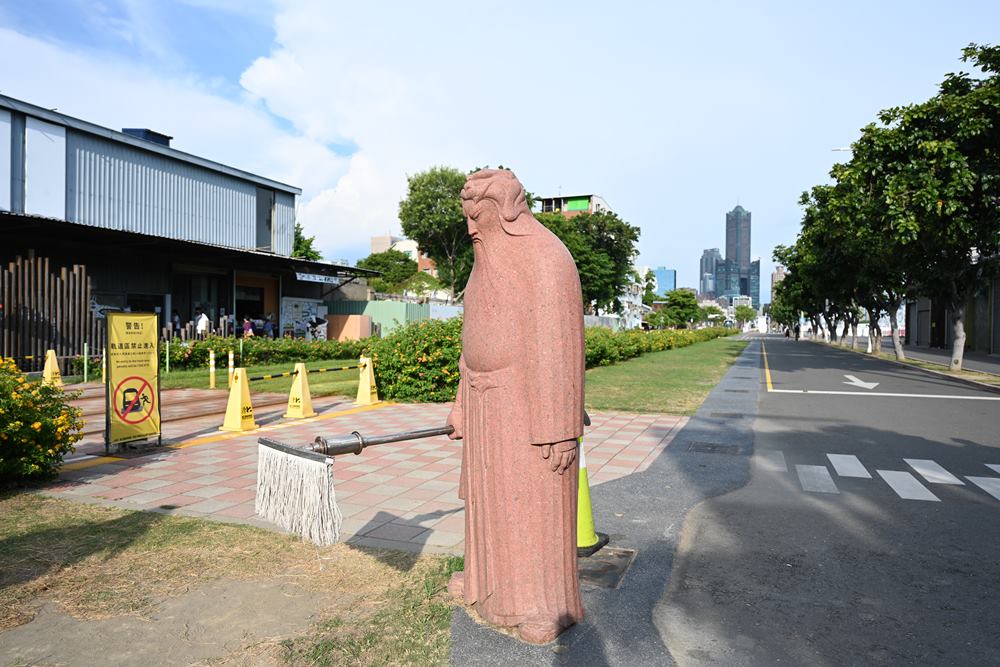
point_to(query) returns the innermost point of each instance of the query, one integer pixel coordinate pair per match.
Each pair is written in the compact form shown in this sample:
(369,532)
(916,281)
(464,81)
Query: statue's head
(493,199)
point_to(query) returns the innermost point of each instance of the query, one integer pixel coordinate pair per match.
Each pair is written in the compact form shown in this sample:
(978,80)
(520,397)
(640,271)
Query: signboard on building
(303,318)
(318,278)
(133,378)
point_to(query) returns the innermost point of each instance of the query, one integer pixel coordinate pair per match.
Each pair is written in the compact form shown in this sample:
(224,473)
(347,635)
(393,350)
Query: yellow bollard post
(588,540)
(299,399)
(367,392)
(239,410)
(230,369)
(50,374)
(211,369)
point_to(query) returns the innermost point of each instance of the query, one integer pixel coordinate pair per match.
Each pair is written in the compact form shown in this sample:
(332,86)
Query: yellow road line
(89,463)
(767,368)
(101,460)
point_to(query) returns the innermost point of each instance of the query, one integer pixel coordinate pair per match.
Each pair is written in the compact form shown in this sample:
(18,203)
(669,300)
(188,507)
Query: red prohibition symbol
(130,404)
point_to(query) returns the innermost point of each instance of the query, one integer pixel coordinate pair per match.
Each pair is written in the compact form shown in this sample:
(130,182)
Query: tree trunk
(831,328)
(958,337)
(854,334)
(897,345)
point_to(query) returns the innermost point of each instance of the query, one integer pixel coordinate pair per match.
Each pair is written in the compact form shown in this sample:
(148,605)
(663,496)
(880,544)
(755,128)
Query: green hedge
(419,362)
(37,427)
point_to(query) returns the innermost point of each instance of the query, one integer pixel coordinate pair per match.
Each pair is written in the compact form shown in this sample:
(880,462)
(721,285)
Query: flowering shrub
(256,351)
(37,426)
(419,362)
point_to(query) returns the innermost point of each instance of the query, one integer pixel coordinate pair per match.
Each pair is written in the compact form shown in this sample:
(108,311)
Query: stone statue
(519,412)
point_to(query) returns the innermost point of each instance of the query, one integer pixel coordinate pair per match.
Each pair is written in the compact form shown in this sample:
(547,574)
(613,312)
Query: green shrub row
(37,427)
(419,362)
(606,347)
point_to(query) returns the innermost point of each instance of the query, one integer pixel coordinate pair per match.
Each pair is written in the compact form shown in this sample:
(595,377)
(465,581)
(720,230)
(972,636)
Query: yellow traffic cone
(299,399)
(588,540)
(239,411)
(367,392)
(50,374)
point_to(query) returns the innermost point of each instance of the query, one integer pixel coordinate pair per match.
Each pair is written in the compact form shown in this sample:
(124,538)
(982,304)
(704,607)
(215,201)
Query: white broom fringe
(297,494)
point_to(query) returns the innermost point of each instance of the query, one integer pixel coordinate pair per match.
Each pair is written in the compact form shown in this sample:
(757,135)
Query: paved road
(868,534)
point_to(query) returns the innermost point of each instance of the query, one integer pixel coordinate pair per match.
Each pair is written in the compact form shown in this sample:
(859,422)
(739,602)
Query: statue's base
(584,552)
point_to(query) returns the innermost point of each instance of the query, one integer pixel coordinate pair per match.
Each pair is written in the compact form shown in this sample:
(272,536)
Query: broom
(295,485)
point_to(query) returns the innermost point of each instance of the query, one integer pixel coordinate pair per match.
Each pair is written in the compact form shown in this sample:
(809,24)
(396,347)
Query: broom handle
(355,442)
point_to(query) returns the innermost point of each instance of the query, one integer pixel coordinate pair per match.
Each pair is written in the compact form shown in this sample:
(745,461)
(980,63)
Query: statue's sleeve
(555,360)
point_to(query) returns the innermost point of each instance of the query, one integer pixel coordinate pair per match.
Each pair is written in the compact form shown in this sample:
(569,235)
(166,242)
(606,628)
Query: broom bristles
(297,494)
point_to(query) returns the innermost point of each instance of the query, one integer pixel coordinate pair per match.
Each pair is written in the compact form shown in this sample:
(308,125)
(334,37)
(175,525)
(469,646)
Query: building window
(265,218)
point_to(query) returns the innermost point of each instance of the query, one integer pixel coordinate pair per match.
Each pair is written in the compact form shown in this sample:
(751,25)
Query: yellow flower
(37,426)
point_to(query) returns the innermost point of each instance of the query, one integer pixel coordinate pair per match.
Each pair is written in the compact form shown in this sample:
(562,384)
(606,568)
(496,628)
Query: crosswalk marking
(995,467)
(906,485)
(990,485)
(932,472)
(816,479)
(771,460)
(848,465)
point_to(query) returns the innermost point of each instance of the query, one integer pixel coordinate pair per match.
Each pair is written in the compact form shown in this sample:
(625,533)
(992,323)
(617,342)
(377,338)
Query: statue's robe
(522,383)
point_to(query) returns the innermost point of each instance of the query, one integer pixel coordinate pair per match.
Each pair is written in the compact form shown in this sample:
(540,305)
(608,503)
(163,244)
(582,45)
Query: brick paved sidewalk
(400,496)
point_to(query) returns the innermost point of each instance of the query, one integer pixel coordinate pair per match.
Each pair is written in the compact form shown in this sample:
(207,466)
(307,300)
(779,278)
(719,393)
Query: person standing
(201,323)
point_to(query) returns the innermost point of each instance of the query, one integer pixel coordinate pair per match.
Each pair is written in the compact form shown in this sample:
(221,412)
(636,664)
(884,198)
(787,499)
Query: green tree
(682,308)
(711,315)
(744,314)
(603,247)
(395,266)
(302,245)
(649,289)
(431,214)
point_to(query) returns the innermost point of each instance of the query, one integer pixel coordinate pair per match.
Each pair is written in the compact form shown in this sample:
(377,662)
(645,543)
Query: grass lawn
(341,383)
(673,382)
(379,606)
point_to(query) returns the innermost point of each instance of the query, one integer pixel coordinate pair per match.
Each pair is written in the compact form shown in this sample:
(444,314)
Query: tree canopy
(432,216)
(302,245)
(744,314)
(915,211)
(602,244)
(396,268)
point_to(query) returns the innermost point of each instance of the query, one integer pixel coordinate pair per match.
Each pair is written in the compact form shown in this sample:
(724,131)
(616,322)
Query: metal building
(156,228)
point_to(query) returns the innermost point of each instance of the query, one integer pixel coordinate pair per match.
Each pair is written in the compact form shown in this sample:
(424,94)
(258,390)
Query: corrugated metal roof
(90,128)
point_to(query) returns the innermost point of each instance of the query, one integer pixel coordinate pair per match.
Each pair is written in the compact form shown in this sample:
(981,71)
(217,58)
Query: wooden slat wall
(45,309)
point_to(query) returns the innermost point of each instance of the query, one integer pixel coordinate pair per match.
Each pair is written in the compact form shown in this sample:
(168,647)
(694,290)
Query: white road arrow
(851,380)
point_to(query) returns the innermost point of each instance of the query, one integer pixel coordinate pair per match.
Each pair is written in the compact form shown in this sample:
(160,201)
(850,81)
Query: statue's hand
(455,421)
(560,455)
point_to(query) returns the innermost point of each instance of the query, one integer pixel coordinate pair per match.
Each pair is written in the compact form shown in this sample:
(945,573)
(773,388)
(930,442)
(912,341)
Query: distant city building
(666,280)
(755,282)
(574,205)
(738,239)
(736,275)
(710,260)
(777,276)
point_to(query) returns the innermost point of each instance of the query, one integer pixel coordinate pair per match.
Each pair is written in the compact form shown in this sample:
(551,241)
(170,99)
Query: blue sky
(672,113)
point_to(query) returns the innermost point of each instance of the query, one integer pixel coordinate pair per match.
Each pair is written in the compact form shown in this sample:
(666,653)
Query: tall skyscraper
(710,261)
(777,276)
(754,280)
(738,239)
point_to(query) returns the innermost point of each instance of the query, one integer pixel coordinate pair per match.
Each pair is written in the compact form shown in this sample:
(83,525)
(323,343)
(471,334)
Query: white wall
(4,160)
(45,169)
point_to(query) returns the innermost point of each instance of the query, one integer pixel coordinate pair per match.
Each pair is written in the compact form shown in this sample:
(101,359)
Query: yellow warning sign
(133,378)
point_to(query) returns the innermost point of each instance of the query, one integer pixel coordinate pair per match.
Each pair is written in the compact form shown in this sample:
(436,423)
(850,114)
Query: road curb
(993,389)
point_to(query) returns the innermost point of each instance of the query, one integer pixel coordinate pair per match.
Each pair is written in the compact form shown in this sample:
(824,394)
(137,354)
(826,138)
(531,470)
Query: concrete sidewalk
(400,496)
(971,361)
